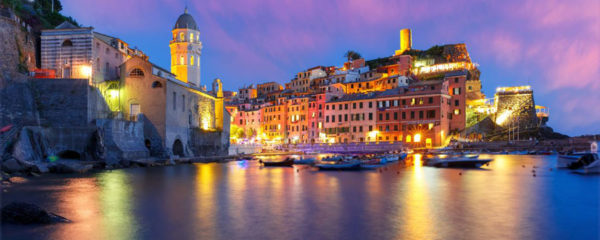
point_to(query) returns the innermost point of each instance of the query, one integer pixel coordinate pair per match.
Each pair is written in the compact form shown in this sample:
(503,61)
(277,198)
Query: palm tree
(352,55)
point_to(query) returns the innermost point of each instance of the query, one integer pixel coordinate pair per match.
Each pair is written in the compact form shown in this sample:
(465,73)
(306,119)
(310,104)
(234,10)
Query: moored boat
(305,160)
(458,162)
(288,162)
(345,165)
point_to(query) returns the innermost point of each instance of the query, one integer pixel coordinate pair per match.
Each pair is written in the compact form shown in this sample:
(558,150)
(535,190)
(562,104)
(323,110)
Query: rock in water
(12,165)
(27,213)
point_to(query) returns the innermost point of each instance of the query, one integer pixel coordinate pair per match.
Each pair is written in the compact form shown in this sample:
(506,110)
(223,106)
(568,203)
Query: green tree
(352,55)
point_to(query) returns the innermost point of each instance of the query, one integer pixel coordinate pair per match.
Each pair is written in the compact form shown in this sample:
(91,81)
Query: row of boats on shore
(371,161)
(341,162)
(583,162)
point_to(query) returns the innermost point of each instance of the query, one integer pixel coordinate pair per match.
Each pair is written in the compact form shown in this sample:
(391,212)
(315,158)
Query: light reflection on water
(241,200)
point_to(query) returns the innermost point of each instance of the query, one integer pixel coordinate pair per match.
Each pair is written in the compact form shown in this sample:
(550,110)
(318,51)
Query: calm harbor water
(240,200)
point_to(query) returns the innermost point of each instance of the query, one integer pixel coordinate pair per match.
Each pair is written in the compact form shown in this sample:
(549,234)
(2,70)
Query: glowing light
(444,67)
(514,89)
(86,70)
(417,137)
(373,134)
(503,117)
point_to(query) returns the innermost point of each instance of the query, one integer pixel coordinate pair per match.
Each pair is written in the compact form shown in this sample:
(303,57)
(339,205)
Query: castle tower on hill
(186,50)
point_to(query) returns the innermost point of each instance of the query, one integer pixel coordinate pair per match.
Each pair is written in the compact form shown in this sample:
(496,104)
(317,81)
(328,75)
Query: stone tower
(217,88)
(186,50)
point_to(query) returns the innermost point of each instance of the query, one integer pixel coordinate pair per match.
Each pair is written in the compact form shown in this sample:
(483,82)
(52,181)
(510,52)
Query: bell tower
(186,49)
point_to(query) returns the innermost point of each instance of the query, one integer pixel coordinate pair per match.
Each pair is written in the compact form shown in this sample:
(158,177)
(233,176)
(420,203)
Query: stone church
(180,116)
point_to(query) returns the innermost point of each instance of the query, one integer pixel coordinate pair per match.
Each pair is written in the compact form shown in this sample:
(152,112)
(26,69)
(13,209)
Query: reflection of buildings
(181,117)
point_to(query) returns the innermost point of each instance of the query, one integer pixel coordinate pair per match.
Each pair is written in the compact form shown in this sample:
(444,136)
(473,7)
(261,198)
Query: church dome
(186,20)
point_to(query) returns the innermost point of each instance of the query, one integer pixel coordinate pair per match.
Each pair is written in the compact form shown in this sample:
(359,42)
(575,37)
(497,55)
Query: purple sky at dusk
(554,46)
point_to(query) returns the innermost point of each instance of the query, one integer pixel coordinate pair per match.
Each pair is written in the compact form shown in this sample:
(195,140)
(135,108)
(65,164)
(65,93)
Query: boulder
(27,213)
(66,166)
(40,168)
(12,165)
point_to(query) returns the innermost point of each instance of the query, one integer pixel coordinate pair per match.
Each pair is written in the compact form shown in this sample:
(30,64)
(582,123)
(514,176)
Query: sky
(554,46)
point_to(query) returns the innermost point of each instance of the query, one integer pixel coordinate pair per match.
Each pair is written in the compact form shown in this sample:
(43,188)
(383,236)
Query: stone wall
(37,143)
(209,143)
(122,140)
(17,46)
(61,102)
(516,109)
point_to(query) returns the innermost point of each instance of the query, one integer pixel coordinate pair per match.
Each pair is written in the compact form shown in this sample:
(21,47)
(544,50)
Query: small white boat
(586,163)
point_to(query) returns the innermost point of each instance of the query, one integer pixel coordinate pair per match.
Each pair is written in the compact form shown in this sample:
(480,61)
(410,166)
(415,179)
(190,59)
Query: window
(370,104)
(136,72)
(455,102)
(191,37)
(346,106)
(403,115)
(174,101)
(353,105)
(380,116)
(134,110)
(370,128)
(181,60)
(387,116)
(395,115)
(370,117)
(456,91)
(181,37)
(192,60)
(430,100)
(333,107)
(360,105)
(183,103)
(456,80)
(456,111)
(412,114)
(431,114)
(420,114)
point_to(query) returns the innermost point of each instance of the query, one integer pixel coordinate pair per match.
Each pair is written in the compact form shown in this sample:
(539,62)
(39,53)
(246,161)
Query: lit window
(181,37)
(191,37)
(181,60)
(192,60)
(456,111)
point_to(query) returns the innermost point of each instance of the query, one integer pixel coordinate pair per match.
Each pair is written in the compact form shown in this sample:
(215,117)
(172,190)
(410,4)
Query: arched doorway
(148,144)
(178,148)
(69,154)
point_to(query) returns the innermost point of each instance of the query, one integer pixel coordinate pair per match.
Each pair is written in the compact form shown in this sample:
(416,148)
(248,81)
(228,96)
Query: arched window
(191,37)
(192,60)
(136,72)
(67,43)
(181,37)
